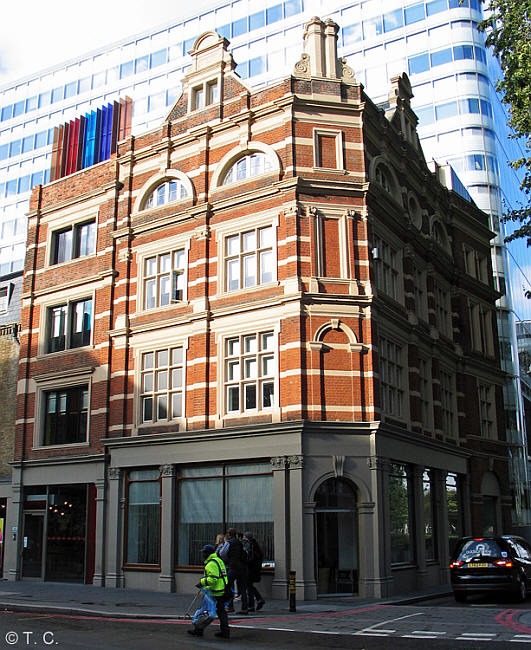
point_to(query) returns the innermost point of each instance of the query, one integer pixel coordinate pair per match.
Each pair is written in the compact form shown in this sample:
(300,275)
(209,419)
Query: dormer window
(167,192)
(204,95)
(252,164)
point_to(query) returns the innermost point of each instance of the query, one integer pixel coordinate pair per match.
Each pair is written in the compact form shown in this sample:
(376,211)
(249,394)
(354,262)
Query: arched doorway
(336,526)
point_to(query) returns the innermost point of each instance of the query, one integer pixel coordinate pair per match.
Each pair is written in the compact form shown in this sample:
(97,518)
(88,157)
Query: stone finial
(320,53)
(401,90)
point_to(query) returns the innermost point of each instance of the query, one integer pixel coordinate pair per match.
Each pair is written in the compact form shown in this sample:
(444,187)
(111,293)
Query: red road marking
(506,618)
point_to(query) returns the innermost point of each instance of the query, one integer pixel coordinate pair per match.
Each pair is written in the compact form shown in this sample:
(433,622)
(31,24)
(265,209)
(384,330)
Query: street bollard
(292,592)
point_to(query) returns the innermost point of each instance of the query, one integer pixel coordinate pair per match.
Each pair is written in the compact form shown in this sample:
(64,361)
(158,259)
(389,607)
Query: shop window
(65,416)
(249,259)
(69,325)
(250,368)
(73,242)
(162,385)
(249,165)
(454,510)
(143,488)
(430,519)
(164,279)
(166,192)
(392,378)
(213,498)
(401,515)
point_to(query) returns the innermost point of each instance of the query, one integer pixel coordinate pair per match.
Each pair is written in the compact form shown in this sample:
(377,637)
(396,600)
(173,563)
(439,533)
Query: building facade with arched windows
(284,323)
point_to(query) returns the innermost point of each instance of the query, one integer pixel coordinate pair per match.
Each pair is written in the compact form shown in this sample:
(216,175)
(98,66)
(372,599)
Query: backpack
(248,551)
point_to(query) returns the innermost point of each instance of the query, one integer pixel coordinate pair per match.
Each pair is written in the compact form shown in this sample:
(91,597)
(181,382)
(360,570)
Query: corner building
(266,313)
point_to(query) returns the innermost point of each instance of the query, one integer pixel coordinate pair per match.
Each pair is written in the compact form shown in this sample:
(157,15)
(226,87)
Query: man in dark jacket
(255,558)
(237,568)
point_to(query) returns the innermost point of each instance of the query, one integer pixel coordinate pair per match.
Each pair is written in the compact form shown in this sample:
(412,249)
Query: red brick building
(266,313)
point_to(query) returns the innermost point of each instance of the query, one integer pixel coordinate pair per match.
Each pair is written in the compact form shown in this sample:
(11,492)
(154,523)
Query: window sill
(66,445)
(59,353)
(152,568)
(246,290)
(72,261)
(330,170)
(172,304)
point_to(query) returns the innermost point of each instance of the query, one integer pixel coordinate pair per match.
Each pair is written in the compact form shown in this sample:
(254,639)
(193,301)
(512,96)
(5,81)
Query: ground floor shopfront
(353,509)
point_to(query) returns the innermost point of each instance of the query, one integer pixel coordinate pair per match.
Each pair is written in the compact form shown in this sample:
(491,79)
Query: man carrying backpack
(214,580)
(237,568)
(254,556)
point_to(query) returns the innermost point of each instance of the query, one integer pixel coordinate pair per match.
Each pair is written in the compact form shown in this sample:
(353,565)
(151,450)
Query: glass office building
(462,121)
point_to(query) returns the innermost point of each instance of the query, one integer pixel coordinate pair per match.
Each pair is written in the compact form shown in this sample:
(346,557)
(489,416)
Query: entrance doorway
(336,525)
(32,545)
(54,544)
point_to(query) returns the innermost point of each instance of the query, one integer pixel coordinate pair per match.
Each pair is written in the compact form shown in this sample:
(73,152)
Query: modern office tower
(462,121)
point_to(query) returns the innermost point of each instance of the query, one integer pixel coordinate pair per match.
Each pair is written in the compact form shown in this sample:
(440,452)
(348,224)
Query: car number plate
(478,565)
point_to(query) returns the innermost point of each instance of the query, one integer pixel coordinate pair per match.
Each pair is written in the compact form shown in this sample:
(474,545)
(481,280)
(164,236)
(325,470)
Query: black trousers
(252,594)
(222,614)
(239,576)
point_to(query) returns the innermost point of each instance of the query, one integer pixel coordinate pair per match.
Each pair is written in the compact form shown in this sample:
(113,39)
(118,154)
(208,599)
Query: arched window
(252,164)
(336,493)
(166,192)
(383,178)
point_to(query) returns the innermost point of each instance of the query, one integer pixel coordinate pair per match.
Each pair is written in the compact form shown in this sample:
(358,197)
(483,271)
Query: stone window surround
(55,381)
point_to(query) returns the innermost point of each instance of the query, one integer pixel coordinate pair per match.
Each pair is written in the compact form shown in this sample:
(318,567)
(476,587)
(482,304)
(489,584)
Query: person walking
(237,569)
(214,580)
(255,557)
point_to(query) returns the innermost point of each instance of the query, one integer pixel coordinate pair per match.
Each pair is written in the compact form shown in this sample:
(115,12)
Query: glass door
(32,545)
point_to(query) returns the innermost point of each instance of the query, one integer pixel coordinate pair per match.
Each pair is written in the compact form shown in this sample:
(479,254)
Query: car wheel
(460,596)
(522,589)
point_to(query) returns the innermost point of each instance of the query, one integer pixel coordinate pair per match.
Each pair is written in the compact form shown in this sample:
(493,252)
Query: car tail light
(456,564)
(478,539)
(506,563)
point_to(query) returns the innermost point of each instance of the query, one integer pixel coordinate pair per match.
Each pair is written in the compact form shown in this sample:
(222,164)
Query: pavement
(87,600)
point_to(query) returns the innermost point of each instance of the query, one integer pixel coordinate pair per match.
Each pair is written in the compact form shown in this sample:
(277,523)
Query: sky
(36,34)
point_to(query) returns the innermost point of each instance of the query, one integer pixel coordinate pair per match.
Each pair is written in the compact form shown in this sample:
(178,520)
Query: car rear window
(480,548)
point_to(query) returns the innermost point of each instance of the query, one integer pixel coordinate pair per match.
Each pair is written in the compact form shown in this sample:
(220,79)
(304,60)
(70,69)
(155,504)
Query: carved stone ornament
(278,462)
(167,471)
(114,473)
(302,67)
(376,462)
(312,210)
(347,73)
(295,462)
(338,465)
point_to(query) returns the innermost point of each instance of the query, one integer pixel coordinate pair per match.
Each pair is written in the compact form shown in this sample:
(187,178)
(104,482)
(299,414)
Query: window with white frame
(204,94)
(4,299)
(442,310)
(426,394)
(250,365)
(448,406)
(75,241)
(391,378)
(249,259)
(162,385)
(419,291)
(476,265)
(249,165)
(386,261)
(69,325)
(487,411)
(164,278)
(481,329)
(166,192)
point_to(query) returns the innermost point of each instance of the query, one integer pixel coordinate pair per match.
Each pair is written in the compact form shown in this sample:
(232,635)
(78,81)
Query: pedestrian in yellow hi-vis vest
(213,584)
